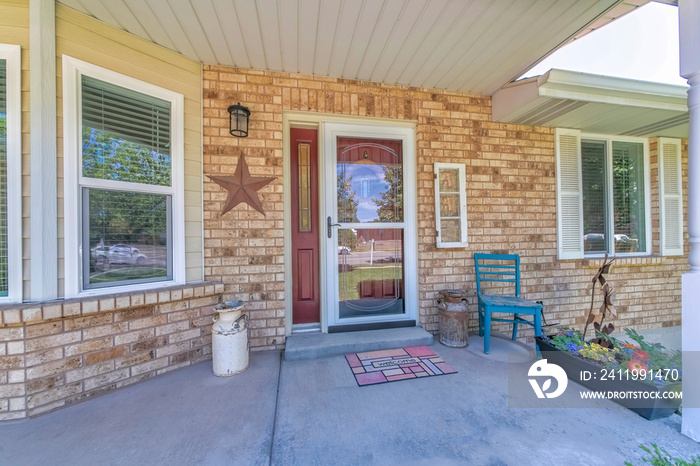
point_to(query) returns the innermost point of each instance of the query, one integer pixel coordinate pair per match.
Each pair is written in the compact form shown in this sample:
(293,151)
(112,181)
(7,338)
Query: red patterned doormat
(375,367)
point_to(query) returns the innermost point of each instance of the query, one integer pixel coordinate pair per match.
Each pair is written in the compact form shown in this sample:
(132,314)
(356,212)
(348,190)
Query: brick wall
(61,353)
(511,202)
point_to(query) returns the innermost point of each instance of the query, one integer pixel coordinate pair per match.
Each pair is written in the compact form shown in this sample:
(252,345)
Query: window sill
(632,260)
(19,314)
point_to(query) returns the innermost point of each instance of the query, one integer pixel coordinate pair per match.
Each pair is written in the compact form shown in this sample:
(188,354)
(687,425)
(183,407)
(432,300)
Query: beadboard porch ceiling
(472,46)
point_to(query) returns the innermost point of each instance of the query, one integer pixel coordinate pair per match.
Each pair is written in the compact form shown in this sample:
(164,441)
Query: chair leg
(487,331)
(538,323)
(515,327)
(481,320)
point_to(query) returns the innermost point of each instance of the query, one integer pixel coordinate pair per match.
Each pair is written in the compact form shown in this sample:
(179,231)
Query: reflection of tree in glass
(124,217)
(108,157)
(391,202)
(628,207)
(347,210)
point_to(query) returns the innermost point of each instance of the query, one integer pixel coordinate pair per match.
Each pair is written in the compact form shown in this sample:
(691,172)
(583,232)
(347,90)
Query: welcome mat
(375,367)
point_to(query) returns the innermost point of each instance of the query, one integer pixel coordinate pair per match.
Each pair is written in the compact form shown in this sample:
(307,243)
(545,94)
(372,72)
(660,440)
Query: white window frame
(73,69)
(610,241)
(12,56)
(462,191)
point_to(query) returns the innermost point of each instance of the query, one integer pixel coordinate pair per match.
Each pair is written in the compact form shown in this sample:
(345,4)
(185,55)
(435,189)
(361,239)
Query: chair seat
(524,306)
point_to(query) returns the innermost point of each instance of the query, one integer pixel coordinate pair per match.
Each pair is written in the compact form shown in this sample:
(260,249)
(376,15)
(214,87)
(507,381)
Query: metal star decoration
(242,187)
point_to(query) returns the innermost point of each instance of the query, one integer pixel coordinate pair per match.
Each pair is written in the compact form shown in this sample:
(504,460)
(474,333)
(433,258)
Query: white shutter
(569,195)
(670,197)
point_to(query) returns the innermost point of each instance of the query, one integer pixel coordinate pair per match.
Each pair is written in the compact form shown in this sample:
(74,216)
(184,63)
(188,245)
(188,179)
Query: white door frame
(328,192)
(298,119)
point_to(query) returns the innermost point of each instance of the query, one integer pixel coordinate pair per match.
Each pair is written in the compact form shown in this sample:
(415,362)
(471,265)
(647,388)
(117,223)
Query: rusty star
(242,187)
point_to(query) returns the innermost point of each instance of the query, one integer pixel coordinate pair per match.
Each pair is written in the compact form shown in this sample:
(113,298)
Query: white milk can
(229,339)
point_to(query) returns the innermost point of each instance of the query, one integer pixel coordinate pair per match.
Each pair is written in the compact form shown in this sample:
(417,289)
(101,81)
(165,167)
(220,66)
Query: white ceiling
(462,45)
(595,104)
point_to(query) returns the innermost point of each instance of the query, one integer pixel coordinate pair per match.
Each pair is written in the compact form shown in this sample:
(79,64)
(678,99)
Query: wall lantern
(239,120)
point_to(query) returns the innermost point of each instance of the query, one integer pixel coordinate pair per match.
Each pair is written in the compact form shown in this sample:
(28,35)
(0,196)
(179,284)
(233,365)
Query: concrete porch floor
(312,412)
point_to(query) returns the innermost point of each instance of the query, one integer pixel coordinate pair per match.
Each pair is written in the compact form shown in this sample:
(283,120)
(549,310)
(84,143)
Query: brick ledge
(22,313)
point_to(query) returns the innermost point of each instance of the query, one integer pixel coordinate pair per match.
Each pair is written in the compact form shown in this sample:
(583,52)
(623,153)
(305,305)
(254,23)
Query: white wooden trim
(73,180)
(12,56)
(462,204)
(663,169)
(44,200)
(331,130)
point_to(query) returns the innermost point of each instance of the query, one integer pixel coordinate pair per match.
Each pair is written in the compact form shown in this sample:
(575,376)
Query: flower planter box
(649,408)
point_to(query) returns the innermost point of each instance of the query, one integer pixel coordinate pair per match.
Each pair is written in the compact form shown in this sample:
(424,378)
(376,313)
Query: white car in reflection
(343,250)
(116,254)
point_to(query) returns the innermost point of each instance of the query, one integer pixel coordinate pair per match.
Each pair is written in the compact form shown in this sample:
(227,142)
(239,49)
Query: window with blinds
(126,185)
(4,250)
(126,134)
(610,210)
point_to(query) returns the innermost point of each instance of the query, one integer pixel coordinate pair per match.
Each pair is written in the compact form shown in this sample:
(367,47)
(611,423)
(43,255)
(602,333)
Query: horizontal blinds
(127,114)
(3,181)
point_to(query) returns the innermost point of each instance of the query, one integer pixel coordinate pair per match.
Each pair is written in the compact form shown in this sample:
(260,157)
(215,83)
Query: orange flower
(641,355)
(627,345)
(636,366)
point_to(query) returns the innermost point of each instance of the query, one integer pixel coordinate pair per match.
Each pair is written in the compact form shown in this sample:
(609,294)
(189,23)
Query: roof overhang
(594,104)
(466,46)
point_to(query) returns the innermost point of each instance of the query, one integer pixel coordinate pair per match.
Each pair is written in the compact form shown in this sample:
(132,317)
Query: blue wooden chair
(503,268)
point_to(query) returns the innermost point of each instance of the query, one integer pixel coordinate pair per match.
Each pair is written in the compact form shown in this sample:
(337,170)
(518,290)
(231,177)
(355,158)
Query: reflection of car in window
(343,250)
(102,256)
(594,242)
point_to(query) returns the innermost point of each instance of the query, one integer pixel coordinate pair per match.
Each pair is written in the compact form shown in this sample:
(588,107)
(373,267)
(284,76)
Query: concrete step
(323,345)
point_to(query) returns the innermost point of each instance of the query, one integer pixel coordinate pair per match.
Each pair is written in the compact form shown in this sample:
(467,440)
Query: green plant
(648,362)
(660,457)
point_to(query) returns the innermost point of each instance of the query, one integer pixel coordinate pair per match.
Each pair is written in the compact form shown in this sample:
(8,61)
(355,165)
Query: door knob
(330,224)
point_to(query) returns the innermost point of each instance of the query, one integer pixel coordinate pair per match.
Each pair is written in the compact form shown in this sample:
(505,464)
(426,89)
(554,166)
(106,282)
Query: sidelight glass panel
(304,151)
(370,272)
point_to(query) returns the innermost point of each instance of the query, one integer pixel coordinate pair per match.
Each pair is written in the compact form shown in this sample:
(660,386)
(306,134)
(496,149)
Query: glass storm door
(366,232)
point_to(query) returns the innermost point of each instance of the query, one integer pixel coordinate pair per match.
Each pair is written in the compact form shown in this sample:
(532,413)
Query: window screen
(593,176)
(129,237)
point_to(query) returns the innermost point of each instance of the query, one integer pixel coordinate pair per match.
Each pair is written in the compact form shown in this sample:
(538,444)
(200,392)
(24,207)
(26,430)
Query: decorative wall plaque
(242,187)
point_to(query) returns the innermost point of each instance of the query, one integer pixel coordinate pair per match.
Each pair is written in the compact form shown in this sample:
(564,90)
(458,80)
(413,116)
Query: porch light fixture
(238,125)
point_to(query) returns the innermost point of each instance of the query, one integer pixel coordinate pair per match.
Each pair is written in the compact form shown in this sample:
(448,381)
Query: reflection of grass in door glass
(349,280)
(130,273)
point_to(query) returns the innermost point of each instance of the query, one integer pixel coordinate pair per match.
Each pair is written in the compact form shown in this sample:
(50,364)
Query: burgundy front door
(305,224)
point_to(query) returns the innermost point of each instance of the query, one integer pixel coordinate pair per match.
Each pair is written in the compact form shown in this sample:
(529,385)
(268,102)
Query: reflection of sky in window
(367,184)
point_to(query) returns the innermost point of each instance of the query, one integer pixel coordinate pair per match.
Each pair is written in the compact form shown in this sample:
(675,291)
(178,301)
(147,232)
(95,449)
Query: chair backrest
(497,268)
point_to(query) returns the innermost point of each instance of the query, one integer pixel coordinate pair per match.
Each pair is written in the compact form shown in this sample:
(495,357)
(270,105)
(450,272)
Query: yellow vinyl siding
(14,29)
(87,39)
